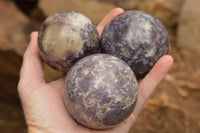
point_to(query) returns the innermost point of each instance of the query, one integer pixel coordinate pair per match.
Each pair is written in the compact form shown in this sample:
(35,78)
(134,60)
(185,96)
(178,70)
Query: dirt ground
(173,107)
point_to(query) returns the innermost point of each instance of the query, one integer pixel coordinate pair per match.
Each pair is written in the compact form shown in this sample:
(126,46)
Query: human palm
(43,103)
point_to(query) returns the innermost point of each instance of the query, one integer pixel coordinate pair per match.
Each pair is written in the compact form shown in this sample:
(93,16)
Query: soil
(173,107)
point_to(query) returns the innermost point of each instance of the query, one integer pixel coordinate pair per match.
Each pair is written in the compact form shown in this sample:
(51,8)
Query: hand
(43,104)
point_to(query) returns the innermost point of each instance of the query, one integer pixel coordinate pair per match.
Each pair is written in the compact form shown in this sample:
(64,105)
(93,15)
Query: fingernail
(32,34)
(119,9)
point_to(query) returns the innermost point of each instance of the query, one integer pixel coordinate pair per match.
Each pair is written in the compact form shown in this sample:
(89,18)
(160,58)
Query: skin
(43,103)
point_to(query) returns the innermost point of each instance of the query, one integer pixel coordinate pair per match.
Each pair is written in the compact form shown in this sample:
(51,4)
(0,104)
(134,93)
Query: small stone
(100,91)
(137,38)
(65,37)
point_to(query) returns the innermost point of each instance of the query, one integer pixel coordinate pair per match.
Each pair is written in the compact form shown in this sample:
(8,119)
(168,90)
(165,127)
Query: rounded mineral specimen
(65,37)
(100,91)
(137,38)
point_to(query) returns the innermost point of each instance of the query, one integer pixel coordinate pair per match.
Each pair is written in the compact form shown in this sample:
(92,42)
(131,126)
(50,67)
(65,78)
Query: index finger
(107,18)
(32,67)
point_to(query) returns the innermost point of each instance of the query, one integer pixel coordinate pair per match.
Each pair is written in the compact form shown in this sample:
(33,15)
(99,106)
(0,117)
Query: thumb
(32,68)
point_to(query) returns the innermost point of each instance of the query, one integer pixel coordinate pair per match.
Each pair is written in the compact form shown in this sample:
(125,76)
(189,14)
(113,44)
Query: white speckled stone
(65,37)
(100,91)
(137,38)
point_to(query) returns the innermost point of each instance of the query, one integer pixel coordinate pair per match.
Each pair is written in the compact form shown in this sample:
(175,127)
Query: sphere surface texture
(100,91)
(137,38)
(65,37)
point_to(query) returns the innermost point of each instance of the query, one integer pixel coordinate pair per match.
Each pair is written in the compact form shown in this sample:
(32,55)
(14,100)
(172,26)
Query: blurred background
(175,105)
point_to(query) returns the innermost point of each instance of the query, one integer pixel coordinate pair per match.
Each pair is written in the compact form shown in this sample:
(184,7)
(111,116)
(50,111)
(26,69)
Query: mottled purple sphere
(100,91)
(137,38)
(65,37)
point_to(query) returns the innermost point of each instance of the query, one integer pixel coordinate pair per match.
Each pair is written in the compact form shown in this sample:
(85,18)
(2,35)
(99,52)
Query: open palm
(43,103)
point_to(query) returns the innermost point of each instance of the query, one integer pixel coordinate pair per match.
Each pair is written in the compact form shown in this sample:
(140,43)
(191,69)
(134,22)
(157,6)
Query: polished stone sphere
(137,38)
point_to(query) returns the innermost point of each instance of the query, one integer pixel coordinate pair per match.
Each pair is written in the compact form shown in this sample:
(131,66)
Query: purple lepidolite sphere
(137,38)
(100,91)
(65,37)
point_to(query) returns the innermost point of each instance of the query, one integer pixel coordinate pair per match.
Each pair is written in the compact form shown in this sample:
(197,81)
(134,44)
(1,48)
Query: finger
(32,67)
(107,18)
(154,77)
(149,83)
